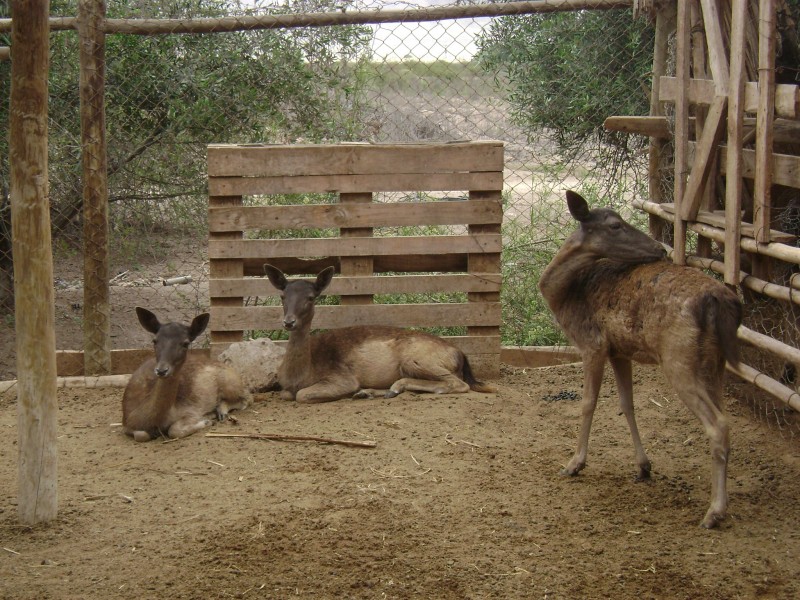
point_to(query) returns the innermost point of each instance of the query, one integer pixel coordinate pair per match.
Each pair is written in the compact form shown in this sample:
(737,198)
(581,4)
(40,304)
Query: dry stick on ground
(294,438)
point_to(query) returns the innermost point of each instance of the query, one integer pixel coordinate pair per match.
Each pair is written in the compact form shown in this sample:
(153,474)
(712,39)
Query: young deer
(360,361)
(175,394)
(617,300)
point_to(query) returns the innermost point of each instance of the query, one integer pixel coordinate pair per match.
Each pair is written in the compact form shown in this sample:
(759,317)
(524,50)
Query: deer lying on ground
(618,300)
(360,361)
(176,394)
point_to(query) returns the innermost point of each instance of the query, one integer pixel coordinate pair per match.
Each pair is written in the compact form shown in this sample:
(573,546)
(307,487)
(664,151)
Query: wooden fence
(367,265)
(727,122)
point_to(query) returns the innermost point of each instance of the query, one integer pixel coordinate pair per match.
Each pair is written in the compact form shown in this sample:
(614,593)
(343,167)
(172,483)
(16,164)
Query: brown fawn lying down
(618,300)
(174,393)
(361,361)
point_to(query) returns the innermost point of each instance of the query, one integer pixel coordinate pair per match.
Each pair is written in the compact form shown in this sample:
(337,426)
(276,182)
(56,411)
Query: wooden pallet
(367,262)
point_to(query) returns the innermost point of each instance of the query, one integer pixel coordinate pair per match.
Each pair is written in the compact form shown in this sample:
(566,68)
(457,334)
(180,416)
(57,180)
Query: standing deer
(176,394)
(360,361)
(618,300)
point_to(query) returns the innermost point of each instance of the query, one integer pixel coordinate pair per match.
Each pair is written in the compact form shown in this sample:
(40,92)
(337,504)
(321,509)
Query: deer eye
(616,226)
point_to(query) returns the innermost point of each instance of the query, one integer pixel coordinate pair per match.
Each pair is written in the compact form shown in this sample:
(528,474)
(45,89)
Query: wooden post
(220,268)
(762,196)
(356,265)
(700,71)
(96,291)
(665,24)
(681,128)
(733,167)
(37,407)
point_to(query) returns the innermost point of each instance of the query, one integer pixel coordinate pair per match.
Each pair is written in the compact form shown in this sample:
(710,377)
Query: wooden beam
(704,158)
(712,20)
(702,91)
(34,312)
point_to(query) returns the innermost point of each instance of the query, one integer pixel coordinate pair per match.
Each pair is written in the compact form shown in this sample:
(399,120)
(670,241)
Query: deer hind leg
(623,376)
(702,393)
(443,384)
(232,395)
(592,378)
(188,425)
(329,390)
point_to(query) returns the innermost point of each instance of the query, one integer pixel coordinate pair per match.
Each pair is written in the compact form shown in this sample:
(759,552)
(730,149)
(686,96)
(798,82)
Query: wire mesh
(543,84)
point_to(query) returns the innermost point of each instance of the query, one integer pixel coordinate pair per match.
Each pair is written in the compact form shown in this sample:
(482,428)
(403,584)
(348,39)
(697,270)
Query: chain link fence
(541,83)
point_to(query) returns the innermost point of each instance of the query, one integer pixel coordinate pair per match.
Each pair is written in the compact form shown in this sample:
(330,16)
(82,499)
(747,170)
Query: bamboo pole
(33,264)
(733,168)
(777,250)
(768,384)
(96,288)
(288,21)
(682,74)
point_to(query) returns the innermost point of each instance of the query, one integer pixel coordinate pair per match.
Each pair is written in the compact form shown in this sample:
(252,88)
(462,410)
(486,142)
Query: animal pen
(723,174)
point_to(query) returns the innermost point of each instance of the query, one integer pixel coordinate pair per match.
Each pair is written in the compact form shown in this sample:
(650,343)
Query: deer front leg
(624,377)
(592,378)
(448,384)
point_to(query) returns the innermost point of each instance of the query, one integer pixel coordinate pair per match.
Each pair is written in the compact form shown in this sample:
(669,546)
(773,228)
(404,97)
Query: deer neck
(567,267)
(164,395)
(297,360)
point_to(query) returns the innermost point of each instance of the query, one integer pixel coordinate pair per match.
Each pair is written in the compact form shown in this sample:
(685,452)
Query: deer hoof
(644,474)
(391,394)
(711,520)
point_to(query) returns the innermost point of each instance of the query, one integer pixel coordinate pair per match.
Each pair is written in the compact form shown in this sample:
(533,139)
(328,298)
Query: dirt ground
(460,498)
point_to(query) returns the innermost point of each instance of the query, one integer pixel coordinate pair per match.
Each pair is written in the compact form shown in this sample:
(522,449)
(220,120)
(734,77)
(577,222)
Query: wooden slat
(785,167)
(702,91)
(328,317)
(704,158)
(394,284)
(712,20)
(399,263)
(69,363)
(390,182)
(322,216)
(354,246)
(353,159)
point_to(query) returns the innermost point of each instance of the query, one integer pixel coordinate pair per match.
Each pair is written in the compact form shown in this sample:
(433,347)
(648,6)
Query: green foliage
(569,71)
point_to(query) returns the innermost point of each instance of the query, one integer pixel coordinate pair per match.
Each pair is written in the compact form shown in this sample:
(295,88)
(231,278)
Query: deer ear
(275,276)
(198,326)
(148,320)
(578,207)
(324,279)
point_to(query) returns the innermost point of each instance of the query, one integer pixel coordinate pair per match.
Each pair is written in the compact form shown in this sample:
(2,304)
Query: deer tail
(723,312)
(474,384)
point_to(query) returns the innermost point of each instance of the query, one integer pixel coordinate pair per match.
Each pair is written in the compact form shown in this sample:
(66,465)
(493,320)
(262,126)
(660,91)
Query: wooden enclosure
(732,133)
(368,262)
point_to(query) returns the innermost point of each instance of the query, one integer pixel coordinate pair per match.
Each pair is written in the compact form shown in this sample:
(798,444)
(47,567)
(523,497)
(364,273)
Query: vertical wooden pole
(37,406)
(762,197)
(665,24)
(485,263)
(681,127)
(225,268)
(700,71)
(733,167)
(356,265)
(96,291)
